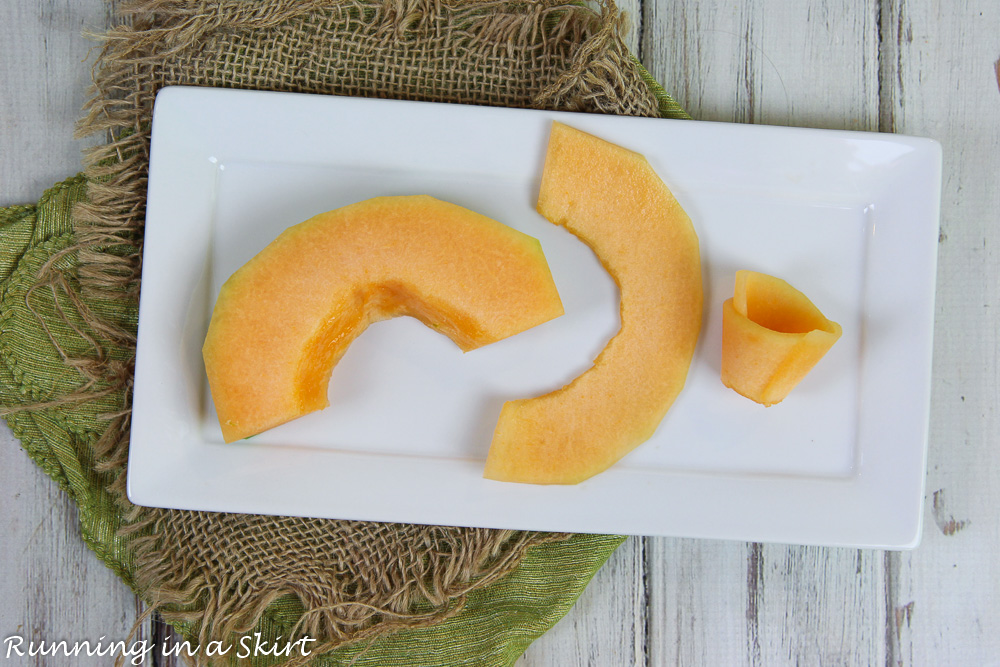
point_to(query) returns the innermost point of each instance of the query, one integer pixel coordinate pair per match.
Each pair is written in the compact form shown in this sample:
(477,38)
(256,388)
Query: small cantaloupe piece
(285,318)
(614,202)
(772,336)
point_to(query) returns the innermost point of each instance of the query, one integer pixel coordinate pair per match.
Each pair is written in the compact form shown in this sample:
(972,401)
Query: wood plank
(708,602)
(606,626)
(633,31)
(45,78)
(814,64)
(698,601)
(732,603)
(821,606)
(940,81)
(54,587)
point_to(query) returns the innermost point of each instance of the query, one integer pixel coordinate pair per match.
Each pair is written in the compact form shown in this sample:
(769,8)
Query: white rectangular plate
(851,219)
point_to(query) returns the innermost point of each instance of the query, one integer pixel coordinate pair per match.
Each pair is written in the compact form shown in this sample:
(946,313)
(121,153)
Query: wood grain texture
(53,587)
(633,14)
(821,606)
(45,74)
(941,83)
(698,609)
(607,624)
(816,64)
(925,67)
(812,63)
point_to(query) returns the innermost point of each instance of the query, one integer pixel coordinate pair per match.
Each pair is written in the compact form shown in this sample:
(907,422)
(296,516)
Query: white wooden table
(923,67)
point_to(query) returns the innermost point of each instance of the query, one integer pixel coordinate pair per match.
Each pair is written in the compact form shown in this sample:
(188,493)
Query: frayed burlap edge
(108,248)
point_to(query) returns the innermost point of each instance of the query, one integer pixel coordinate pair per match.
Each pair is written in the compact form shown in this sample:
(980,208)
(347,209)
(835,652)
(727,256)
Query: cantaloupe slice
(613,201)
(285,318)
(772,336)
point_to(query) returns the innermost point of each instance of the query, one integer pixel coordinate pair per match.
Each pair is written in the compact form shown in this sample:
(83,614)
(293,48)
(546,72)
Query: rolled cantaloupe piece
(772,336)
(285,318)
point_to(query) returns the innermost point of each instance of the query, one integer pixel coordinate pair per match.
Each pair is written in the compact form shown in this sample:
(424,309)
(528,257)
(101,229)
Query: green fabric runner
(495,626)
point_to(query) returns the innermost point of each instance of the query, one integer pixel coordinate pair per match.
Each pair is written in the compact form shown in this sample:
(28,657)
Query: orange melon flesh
(284,319)
(614,202)
(772,336)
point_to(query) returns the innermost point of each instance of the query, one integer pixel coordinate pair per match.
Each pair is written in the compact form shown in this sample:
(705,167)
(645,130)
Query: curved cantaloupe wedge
(284,319)
(772,336)
(614,202)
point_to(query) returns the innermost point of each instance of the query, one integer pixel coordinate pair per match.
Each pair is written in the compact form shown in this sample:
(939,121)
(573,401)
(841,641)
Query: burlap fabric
(217,576)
